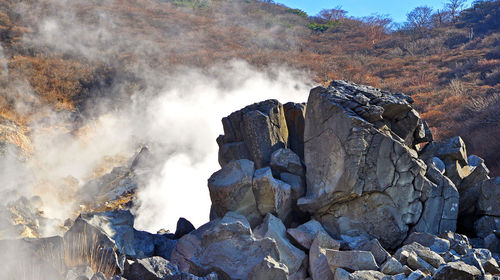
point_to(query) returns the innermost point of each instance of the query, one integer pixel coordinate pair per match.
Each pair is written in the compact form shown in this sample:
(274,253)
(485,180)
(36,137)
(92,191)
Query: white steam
(177,111)
(187,117)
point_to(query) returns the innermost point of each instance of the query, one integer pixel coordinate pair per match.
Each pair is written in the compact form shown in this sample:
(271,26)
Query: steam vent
(350,185)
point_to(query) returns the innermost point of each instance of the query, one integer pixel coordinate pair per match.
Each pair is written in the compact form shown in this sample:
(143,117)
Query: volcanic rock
(253,133)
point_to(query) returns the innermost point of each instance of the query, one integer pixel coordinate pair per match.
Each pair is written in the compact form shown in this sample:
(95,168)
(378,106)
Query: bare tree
(440,18)
(332,15)
(454,7)
(420,19)
(376,27)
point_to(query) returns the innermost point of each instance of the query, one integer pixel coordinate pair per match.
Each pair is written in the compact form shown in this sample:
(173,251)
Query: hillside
(69,55)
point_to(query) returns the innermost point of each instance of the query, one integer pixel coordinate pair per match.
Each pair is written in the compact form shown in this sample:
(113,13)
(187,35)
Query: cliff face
(350,185)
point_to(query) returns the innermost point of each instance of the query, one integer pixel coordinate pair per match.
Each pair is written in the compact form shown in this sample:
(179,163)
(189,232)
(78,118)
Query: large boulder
(458,271)
(231,190)
(253,133)
(237,187)
(363,174)
(490,195)
(228,247)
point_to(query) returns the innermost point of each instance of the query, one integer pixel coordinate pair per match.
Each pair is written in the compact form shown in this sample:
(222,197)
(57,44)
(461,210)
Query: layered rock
(363,172)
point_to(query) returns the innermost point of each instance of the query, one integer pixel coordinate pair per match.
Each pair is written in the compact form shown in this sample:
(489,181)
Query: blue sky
(396,9)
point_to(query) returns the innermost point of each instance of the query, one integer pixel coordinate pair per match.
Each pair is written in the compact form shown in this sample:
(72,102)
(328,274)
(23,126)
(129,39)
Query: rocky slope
(350,185)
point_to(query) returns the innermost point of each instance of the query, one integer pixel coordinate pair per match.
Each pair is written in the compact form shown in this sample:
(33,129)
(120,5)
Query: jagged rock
(392,267)
(296,183)
(231,190)
(305,233)
(253,133)
(290,255)
(379,253)
(449,149)
(439,164)
(366,275)
(415,262)
(285,160)
(226,246)
(459,243)
(474,161)
(400,276)
(183,227)
(458,271)
(406,270)
(122,180)
(351,260)
(486,225)
(420,251)
(295,121)
(341,274)
(478,174)
(153,268)
(472,259)
(147,245)
(441,204)
(269,269)
(416,275)
(319,267)
(492,242)
(94,232)
(434,243)
(351,152)
(490,195)
(272,195)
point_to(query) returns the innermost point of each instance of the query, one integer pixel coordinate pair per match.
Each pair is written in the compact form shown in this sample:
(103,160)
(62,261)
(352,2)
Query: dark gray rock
(295,114)
(319,267)
(258,129)
(285,160)
(459,243)
(490,195)
(486,225)
(380,254)
(351,260)
(183,227)
(272,195)
(296,183)
(222,243)
(231,190)
(392,267)
(424,253)
(458,271)
(434,243)
(305,233)
(292,257)
(153,268)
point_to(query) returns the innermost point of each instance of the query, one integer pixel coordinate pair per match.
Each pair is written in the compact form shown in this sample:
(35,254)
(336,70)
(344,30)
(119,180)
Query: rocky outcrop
(349,186)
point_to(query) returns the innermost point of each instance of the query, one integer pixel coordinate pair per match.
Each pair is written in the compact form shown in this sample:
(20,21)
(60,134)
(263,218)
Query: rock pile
(350,186)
